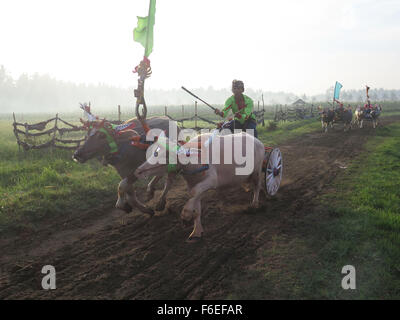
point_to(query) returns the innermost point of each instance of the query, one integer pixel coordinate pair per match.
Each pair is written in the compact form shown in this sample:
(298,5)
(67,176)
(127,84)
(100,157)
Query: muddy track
(105,253)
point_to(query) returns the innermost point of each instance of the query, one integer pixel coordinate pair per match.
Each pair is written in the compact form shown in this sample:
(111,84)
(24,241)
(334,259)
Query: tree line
(43,93)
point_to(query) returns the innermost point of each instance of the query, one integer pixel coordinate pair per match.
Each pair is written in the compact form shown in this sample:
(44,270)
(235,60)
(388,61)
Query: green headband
(111,142)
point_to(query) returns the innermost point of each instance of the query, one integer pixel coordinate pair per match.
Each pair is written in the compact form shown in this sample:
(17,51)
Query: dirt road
(105,253)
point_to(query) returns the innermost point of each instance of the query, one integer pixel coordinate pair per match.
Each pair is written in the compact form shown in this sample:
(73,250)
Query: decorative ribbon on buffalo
(143,34)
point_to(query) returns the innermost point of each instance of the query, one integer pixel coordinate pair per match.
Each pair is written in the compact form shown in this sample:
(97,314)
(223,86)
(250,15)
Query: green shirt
(245,112)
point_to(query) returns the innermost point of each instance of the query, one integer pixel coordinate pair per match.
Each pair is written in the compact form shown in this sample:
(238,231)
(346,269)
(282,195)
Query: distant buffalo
(368,115)
(327,116)
(345,116)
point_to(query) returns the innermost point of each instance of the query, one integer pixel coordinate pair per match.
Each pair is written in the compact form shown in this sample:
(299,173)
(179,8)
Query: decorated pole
(143,34)
(336,93)
(367,88)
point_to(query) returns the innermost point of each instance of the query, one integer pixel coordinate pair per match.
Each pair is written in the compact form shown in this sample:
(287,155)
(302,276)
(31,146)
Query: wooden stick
(55,131)
(195,114)
(15,132)
(207,104)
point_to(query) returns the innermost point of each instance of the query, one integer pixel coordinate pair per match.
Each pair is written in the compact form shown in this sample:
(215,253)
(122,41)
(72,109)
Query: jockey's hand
(238,115)
(218,112)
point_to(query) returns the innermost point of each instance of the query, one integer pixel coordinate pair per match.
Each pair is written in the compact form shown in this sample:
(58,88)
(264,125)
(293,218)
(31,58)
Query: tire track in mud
(107,254)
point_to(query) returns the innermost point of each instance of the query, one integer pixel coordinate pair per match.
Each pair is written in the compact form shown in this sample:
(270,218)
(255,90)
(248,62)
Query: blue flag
(336,93)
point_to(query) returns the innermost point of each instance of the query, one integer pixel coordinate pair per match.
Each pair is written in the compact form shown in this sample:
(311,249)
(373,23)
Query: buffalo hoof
(255,205)
(150,212)
(149,195)
(194,239)
(161,205)
(186,223)
(127,208)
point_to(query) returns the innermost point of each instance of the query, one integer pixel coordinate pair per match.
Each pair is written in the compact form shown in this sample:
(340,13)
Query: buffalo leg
(257,187)
(151,187)
(198,230)
(127,195)
(193,207)
(161,202)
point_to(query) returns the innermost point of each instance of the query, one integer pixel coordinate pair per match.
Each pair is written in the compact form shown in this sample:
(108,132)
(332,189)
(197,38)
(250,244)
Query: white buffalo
(206,162)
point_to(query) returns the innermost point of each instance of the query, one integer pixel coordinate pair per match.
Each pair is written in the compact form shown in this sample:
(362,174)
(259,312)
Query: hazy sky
(301,46)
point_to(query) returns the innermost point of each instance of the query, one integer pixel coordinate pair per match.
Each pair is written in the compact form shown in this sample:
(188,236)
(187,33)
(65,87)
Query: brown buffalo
(127,158)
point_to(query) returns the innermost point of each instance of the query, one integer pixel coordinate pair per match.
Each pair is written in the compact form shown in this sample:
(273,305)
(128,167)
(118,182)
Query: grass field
(356,223)
(45,183)
(39,183)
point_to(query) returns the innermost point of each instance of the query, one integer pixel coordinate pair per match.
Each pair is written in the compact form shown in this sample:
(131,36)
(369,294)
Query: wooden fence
(285,113)
(39,130)
(196,117)
(55,132)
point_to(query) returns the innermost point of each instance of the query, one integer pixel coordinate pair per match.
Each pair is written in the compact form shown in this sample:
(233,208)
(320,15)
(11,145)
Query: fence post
(119,113)
(15,132)
(195,114)
(263,118)
(55,131)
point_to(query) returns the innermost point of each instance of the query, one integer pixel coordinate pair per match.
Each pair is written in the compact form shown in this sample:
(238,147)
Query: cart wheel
(273,172)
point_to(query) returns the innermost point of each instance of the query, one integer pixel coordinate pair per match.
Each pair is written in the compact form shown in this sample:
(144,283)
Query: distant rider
(367,108)
(242,108)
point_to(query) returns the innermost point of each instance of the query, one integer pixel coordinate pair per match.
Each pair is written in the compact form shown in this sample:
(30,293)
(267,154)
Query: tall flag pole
(336,92)
(143,34)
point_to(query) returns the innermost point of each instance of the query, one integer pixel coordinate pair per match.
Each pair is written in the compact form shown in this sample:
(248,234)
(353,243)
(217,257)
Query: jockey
(242,107)
(367,108)
(339,111)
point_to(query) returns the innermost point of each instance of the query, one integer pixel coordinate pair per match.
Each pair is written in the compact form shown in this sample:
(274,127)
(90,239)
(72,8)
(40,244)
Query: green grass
(368,204)
(357,223)
(286,131)
(44,183)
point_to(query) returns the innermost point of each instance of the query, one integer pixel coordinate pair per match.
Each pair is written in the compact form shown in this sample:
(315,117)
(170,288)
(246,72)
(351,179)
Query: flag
(143,33)
(336,93)
(367,91)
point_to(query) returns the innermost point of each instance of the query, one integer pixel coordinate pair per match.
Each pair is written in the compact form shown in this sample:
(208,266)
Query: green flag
(143,33)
